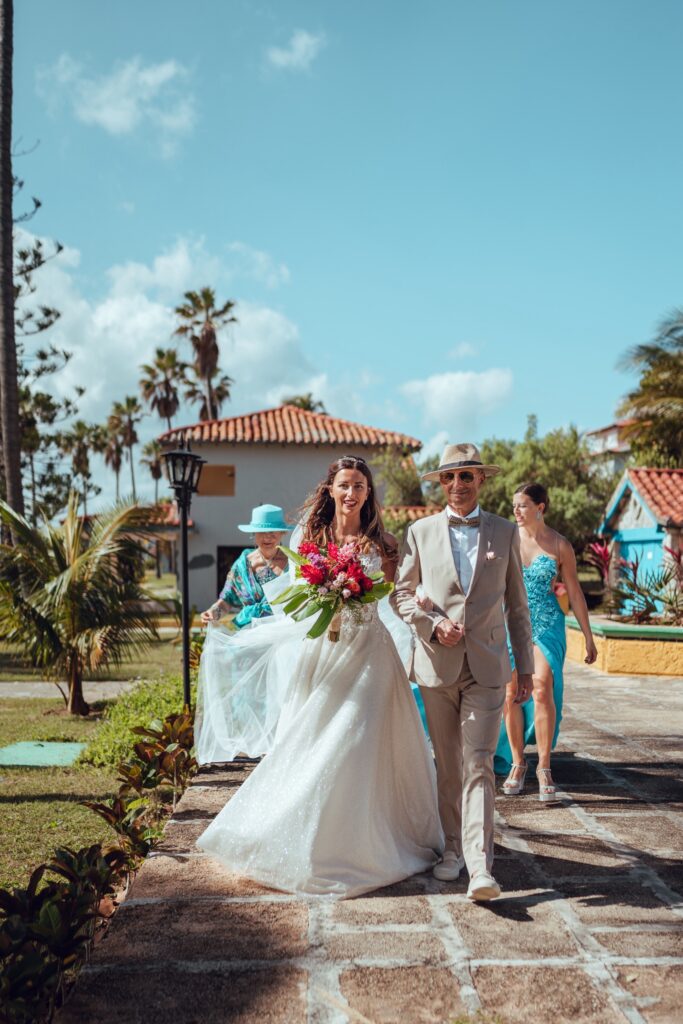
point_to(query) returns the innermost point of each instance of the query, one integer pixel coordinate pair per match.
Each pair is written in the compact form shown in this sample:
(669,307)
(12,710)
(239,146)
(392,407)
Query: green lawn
(39,807)
(163,656)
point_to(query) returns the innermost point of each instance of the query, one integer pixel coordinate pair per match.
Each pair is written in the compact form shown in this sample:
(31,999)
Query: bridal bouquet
(329,579)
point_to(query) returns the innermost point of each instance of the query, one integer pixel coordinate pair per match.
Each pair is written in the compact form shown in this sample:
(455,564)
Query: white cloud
(462,350)
(435,445)
(259,265)
(300,52)
(110,336)
(132,96)
(456,401)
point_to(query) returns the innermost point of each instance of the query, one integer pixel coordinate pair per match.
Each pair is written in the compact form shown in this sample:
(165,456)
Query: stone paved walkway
(590,927)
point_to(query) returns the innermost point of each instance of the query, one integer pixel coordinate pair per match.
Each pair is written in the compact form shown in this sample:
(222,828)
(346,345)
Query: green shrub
(148,701)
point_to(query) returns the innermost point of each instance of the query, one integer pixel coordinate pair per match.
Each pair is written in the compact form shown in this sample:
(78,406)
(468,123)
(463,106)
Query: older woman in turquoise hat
(255,566)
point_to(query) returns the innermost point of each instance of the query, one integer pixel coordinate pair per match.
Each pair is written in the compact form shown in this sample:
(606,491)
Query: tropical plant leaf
(308,609)
(293,555)
(322,622)
(297,601)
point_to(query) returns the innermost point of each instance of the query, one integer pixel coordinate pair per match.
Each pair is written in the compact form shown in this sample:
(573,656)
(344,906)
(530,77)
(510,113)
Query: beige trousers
(464,722)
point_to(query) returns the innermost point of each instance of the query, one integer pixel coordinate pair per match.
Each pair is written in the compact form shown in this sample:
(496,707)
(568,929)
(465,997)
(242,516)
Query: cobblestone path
(589,929)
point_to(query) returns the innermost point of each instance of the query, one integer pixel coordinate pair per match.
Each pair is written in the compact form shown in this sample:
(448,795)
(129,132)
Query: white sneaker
(483,887)
(448,870)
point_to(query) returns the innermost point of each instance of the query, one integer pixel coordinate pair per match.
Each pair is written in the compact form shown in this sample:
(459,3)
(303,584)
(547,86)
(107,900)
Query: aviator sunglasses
(465,475)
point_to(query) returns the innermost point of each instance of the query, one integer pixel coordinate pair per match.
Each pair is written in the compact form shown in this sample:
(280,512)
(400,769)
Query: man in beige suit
(468,565)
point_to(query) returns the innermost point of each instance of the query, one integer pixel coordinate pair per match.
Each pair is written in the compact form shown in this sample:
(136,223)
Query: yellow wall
(630,657)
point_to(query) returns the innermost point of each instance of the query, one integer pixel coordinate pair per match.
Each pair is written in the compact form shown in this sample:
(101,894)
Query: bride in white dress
(345,801)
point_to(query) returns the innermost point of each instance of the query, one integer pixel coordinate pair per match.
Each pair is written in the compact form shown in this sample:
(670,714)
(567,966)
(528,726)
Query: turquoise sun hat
(266,519)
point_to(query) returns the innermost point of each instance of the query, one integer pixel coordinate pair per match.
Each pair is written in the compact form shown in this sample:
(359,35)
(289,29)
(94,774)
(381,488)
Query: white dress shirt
(464,545)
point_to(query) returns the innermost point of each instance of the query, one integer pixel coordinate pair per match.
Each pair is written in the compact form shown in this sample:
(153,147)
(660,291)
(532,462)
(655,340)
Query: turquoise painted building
(645,516)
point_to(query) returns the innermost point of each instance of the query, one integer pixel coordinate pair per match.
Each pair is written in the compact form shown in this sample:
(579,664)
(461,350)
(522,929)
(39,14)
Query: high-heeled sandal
(514,784)
(547,791)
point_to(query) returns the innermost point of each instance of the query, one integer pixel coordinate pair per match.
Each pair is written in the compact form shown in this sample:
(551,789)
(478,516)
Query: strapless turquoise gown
(548,634)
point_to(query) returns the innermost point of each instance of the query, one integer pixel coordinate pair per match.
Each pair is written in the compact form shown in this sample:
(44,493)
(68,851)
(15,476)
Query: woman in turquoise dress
(243,587)
(547,558)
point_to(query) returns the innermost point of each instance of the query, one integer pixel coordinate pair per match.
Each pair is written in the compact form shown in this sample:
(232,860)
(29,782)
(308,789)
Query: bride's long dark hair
(318,509)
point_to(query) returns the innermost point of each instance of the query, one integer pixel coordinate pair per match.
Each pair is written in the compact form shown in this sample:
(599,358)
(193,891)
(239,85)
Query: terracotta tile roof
(411,512)
(610,426)
(289,425)
(662,490)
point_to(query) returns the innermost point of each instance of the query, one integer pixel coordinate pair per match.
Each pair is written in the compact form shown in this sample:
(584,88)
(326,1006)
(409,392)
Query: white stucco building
(609,447)
(277,456)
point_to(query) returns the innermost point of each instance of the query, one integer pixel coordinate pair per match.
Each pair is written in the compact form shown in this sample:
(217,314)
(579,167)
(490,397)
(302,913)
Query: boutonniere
(490,555)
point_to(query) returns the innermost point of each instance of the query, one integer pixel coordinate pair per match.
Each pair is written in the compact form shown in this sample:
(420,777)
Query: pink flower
(346,594)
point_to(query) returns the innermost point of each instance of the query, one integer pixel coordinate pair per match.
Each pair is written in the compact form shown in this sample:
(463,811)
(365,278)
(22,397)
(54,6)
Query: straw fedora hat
(461,456)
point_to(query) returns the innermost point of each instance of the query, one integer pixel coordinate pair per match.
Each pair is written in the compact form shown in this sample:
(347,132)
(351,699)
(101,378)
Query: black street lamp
(183,469)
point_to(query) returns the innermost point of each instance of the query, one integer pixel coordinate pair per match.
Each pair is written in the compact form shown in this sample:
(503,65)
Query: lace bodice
(544,610)
(353,618)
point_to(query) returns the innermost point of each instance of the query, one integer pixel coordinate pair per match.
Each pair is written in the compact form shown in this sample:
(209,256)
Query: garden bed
(628,649)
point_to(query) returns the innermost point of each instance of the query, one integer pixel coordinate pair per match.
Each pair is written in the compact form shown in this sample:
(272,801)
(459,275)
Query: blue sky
(439,217)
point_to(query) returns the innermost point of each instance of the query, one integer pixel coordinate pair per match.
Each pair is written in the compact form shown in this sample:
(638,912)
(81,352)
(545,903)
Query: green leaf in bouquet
(297,601)
(310,608)
(293,555)
(379,591)
(323,621)
(284,595)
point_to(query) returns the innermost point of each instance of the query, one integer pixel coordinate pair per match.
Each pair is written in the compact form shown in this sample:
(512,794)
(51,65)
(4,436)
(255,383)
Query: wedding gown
(345,801)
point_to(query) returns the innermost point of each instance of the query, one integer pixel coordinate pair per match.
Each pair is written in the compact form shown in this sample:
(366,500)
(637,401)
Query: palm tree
(305,402)
(79,442)
(151,457)
(123,419)
(9,379)
(113,454)
(656,404)
(195,392)
(200,322)
(71,597)
(159,386)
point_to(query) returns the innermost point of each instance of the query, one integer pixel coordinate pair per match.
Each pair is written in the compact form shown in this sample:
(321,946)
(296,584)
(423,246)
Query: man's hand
(449,633)
(525,685)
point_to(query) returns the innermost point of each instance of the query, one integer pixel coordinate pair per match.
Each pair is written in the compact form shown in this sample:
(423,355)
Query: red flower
(366,583)
(354,570)
(353,587)
(313,574)
(307,547)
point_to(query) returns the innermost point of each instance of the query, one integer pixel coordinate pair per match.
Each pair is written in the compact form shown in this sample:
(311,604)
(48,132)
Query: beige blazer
(496,594)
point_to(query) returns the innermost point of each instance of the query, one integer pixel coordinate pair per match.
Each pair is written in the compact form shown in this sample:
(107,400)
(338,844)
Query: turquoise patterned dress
(242,589)
(548,634)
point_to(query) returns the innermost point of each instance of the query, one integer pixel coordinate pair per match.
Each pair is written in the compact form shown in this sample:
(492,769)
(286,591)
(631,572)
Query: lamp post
(183,469)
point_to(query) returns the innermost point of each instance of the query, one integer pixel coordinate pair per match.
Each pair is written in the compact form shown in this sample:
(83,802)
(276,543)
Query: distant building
(644,515)
(275,455)
(609,446)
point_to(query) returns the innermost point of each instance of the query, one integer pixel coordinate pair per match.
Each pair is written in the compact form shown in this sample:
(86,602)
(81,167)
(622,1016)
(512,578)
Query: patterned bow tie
(462,521)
